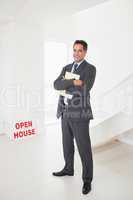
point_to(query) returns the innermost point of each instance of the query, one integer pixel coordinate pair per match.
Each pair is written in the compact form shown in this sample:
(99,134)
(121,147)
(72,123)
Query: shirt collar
(79,62)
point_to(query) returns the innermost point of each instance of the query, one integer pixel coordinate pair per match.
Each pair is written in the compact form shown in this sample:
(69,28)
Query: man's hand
(78,82)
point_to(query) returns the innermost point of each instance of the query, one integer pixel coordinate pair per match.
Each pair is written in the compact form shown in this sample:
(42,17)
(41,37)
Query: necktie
(75,67)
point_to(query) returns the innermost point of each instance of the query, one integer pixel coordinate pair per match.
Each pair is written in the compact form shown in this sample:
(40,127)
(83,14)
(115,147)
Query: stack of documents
(69,75)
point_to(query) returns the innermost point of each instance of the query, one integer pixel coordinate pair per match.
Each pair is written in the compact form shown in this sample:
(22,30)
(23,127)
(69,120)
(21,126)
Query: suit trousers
(78,130)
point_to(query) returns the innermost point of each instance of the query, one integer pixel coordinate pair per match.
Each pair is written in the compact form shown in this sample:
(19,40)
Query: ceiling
(41,10)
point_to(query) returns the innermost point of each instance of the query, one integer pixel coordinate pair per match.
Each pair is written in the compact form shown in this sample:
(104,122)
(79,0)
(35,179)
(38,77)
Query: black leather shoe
(86,188)
(63,173)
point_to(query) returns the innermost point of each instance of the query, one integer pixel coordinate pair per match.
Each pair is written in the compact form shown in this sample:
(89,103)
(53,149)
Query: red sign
(24,129)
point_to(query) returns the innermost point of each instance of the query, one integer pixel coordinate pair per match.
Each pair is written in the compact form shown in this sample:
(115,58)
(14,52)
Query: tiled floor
(26,168)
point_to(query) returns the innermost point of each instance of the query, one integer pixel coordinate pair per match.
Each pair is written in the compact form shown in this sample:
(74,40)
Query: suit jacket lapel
(70,67)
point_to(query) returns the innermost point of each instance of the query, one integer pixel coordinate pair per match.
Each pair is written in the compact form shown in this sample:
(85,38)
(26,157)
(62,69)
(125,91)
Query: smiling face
(78,52)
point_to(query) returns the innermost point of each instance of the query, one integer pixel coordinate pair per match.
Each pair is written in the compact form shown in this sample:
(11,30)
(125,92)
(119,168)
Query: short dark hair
(82,42)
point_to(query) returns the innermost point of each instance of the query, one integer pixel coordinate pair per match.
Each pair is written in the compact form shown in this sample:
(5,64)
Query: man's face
(78,52)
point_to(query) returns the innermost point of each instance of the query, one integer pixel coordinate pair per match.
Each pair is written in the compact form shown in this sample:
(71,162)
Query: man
(76,114)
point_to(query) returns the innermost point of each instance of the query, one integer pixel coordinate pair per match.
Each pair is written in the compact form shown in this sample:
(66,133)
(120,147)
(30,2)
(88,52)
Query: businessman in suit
(76,113)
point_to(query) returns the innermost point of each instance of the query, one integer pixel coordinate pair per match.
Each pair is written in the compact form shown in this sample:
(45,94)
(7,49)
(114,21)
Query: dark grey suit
(76,116)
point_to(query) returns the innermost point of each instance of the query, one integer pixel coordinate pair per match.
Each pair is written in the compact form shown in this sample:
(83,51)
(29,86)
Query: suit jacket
(79,107)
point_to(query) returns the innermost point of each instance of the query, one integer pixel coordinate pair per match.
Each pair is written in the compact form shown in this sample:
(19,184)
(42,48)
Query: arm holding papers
(62,84)
(69,76)
(66,80)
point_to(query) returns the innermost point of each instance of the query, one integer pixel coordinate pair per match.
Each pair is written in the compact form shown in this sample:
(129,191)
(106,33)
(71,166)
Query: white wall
(108,29)
(21,77)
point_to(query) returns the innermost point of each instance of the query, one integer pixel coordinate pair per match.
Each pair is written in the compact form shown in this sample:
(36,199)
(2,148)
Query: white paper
(69,75)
